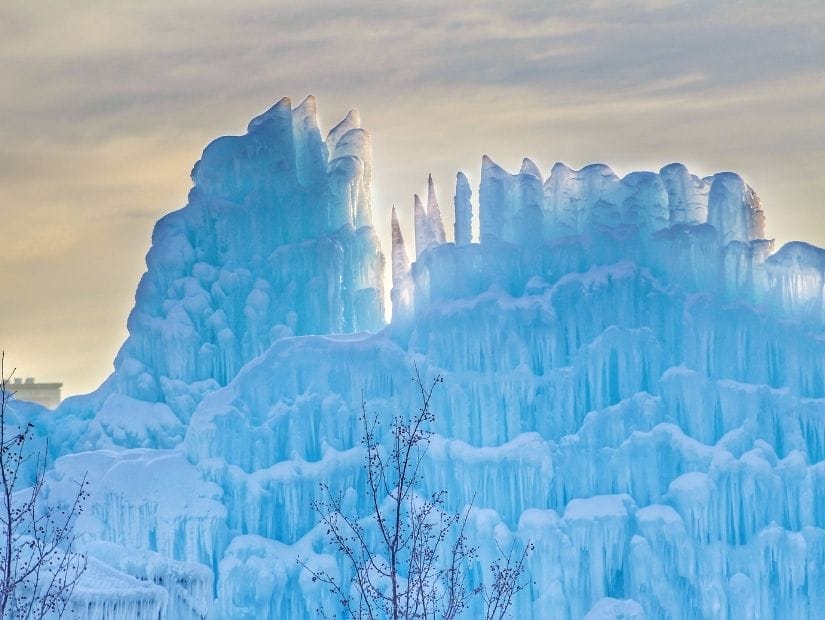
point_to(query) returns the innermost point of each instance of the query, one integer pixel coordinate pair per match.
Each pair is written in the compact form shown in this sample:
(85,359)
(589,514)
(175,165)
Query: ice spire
(437,233)
(277,116)
(310,151)
(400,260)
(463,210)
(687,195)
(356,143)
(734,209)
(401,294)
(494,205)
(529,167)
(423,234)
(350,170)
(351,121)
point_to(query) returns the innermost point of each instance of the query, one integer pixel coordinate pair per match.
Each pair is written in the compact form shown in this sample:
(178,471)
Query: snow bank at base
(104,593)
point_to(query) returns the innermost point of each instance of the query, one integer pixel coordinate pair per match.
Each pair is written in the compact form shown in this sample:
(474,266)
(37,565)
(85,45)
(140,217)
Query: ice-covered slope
(275,241)
(633,382)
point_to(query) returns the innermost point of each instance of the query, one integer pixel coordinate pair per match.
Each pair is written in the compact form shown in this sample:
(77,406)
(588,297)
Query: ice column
(796,276)
(561,199)
(423,235)
(734,209)
(351,121)
(492,200)
(356,143)
(528,166)
(463,210)
(434,215)
(310,151)
(402,288)
(687,195)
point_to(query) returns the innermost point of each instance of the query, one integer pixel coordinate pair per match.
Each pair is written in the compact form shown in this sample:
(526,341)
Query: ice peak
(734,209)
(262,202)
(431,198)
(353,117)
(463,210)
(310,153)
(402,287)
(434,214)
(529,167)
(308,107)
(674,168)
(423,234)
(560,167)
(400,261)
(355,142)
(351,121)
(599,170)
(799,255)
(277,113)
(655,441)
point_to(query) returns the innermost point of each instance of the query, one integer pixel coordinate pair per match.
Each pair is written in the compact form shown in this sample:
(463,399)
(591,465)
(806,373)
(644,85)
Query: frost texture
(276,240)
(634,382)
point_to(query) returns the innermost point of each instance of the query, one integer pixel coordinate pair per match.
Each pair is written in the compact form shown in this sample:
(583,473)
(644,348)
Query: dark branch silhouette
(39,568)
(409,558)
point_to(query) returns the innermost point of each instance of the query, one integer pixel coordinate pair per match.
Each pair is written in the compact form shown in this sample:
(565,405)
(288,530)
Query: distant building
(47,394)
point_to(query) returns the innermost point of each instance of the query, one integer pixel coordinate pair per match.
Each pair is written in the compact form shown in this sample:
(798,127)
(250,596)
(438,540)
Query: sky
(105,106)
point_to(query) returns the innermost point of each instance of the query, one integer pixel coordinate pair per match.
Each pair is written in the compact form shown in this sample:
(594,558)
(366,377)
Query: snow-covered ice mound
(634,381)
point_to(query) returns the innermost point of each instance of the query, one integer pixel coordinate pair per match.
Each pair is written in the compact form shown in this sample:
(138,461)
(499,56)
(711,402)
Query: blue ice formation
(634,381)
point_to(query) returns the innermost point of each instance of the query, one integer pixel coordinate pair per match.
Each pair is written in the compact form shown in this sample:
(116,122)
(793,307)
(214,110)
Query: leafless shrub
(416,567)
(38,565)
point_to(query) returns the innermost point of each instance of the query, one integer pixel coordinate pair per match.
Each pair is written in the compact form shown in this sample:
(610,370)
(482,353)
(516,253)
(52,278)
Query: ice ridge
(634,382)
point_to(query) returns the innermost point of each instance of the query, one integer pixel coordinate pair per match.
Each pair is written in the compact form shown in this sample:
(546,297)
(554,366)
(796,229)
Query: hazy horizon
(108,107)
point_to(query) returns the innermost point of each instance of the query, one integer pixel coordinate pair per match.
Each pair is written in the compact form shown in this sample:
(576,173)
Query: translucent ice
(634,383)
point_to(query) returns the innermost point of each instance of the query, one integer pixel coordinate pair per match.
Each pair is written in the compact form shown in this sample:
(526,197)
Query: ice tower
(276,240)
(634,382)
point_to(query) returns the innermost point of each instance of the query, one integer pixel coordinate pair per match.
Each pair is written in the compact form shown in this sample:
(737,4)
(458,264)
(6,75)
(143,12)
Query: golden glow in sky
(106,106)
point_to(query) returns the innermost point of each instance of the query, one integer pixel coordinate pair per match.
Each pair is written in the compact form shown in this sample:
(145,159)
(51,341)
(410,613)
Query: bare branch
(423,552)
(39,568)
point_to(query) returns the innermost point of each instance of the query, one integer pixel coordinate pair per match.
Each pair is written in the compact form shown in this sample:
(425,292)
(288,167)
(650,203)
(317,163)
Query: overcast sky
(105,105)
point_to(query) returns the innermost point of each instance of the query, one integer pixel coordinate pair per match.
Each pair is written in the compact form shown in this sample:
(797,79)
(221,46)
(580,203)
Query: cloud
(106,106)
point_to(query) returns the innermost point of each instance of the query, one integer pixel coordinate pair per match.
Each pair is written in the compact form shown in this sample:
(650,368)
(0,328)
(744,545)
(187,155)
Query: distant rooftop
(46,394)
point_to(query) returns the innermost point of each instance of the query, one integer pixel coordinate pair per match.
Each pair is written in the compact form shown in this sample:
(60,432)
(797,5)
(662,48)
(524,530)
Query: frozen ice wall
(634,382)
(275,241)
(704,234)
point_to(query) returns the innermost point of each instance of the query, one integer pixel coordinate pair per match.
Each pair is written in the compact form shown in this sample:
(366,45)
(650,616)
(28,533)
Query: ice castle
(634,381)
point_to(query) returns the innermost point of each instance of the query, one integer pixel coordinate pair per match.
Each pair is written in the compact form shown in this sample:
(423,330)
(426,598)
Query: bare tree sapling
(409,558)
(39,567)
